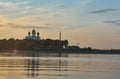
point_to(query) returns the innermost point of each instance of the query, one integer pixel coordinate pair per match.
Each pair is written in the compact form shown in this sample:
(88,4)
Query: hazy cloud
(115,22)
(103,11)
(29,26)
(11,4)
(13,8)
(54,16)
(23,26)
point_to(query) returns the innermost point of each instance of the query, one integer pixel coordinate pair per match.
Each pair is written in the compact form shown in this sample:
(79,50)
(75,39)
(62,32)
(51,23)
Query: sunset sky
(94,23)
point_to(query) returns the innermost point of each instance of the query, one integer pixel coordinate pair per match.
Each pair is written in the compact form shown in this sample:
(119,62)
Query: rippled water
(33,65)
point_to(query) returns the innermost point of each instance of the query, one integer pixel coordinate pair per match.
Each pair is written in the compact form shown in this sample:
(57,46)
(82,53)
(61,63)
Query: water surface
(32,65)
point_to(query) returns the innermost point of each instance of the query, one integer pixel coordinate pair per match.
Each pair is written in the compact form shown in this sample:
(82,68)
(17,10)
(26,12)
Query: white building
(34,36)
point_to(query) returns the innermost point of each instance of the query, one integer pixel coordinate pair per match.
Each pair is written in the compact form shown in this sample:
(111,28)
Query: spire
(60,35)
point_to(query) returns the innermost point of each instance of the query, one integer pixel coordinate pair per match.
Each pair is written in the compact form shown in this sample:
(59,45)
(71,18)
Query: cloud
(41,9)
(5,4)
(53,17)
(26,26)
(13,8)
(115,22)
(103,11)
(28,7)
(12,4)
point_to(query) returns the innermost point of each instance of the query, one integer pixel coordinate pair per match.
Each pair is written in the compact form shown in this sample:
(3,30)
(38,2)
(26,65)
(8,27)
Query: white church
(34,36)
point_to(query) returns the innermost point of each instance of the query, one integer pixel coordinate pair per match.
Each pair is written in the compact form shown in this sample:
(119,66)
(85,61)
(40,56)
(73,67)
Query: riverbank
(80,51)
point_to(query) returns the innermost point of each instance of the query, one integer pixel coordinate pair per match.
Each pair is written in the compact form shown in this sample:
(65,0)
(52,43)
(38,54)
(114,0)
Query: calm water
(30,65)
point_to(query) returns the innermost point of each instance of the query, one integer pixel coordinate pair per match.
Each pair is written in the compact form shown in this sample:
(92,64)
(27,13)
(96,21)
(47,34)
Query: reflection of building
(37,67)
(33,36)
(33,66)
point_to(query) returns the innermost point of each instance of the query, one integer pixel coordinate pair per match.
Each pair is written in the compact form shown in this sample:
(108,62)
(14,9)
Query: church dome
(38,33)
(34,36)
(33,31)
(29,33)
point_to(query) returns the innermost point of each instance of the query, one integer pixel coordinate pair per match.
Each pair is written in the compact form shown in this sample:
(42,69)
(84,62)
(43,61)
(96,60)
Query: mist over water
(29,65)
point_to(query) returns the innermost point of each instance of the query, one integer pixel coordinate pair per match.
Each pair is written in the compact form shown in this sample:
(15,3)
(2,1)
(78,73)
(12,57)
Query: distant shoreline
(49,46)
(80,51)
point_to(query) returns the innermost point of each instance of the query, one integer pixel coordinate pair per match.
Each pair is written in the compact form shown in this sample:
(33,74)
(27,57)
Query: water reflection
(26,65)
(33,66)
(36,65)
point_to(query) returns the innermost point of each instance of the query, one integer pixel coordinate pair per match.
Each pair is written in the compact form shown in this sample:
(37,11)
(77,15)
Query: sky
(94,23)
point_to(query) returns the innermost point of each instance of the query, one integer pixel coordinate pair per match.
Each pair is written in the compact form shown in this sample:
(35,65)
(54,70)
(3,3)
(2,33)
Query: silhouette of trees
(29,44)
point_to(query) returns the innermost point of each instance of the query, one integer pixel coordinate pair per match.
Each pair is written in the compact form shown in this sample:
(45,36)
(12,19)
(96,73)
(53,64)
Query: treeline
(29,44)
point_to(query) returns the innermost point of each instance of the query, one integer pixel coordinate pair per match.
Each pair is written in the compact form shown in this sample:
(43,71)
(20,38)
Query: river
(34,65)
